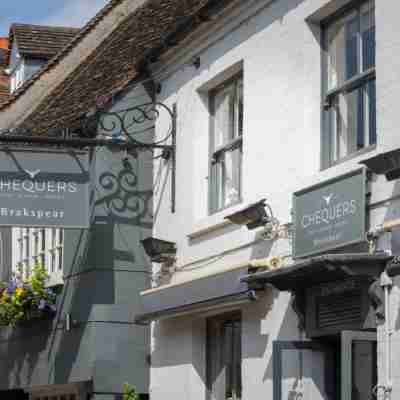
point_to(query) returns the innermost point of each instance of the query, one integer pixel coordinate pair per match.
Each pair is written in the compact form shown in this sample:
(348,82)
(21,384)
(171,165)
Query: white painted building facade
(263,64)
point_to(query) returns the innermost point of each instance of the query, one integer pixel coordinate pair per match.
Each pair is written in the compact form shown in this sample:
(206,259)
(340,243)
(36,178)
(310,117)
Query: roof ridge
(60,27)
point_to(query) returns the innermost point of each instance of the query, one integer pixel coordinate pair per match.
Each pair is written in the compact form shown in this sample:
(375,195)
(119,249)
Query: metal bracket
(124,130)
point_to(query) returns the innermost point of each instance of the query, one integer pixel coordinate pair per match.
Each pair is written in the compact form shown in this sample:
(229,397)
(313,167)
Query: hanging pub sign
(48,188)
(330,215)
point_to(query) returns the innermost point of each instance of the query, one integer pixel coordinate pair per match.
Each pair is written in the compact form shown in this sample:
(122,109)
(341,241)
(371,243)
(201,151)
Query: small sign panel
(44,188)
(330,215)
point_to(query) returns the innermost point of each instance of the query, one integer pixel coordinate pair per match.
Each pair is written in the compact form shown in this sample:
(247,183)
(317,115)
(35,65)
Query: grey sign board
(47,188)
(330,215)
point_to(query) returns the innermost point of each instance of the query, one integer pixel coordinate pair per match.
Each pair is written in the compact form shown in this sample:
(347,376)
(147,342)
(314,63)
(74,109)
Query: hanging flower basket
(26,299)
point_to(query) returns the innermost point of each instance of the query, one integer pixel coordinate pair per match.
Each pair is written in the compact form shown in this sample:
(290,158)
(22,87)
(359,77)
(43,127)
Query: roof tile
(41,41)
(116,62)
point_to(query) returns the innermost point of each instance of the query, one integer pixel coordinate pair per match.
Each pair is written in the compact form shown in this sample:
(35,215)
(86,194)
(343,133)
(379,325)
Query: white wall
(281,57)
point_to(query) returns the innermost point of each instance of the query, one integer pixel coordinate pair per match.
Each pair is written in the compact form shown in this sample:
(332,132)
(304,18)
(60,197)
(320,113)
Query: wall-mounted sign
(44,188)
(330,215)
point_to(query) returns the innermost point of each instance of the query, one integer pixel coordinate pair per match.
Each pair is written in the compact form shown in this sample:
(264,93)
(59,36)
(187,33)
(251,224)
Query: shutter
(342,309)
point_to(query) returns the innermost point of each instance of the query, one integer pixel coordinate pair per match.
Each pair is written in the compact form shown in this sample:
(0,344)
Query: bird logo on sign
(328,199)
(32,174)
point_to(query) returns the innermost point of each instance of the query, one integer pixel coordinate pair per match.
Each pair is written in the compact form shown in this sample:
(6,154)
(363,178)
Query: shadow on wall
(21,349)
(43,352)
(122,210)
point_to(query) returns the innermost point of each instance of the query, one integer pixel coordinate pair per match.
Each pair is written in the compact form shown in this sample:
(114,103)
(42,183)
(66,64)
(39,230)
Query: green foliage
(26,299)
(130,393)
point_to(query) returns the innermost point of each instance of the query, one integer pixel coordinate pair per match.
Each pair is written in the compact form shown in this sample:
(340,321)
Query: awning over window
(196,295)
(321,269)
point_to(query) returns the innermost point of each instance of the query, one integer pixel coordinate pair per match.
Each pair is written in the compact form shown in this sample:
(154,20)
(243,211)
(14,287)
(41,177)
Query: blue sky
(47,12)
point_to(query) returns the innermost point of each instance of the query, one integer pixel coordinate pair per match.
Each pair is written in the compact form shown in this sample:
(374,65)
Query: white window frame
(55,256)
(218,198)
(340,142)
(17,76)
(39,246)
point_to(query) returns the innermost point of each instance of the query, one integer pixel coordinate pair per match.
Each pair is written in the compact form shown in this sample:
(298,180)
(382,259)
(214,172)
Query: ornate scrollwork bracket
(129,129)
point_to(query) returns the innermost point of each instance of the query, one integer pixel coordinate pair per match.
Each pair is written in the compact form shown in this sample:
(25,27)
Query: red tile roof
(4,42)
(64,52)
(148,31)
(40,41)
(4,78)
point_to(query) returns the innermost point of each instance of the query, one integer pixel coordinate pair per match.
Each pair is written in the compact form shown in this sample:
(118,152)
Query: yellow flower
(5,295)
(19,291)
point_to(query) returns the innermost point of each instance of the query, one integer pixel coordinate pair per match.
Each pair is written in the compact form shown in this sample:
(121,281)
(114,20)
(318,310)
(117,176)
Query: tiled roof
(117,59)
(64,52)
(40,41)
(4,79)
(4,94)
(3,57)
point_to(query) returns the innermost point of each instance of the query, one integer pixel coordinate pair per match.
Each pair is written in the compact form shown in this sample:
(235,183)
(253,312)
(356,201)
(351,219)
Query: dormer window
(17,76)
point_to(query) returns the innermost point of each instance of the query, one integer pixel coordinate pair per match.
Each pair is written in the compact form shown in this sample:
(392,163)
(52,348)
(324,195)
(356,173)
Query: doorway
(340,367)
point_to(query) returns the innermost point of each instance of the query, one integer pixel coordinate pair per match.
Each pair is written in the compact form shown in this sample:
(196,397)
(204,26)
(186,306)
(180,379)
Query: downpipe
(387,283)
(383,235)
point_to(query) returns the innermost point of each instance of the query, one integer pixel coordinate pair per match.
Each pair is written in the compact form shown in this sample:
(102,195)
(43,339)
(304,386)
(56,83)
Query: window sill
(351,156)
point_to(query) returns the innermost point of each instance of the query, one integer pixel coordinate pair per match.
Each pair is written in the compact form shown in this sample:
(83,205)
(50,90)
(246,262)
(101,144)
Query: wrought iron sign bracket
(79,142)
(130,129)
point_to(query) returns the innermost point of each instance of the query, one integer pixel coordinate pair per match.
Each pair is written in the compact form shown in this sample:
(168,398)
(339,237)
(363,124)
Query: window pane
(370,107)
(239,109)
(43,239)
(27,245)
(341,45)
(52,260)
(368,36)
(231,176)
(364,379)
(345,122)
(216,187)
(53,238)
(224,358)
(224,114)
(226,145)
(351,47)
(21,250)
(60,258)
